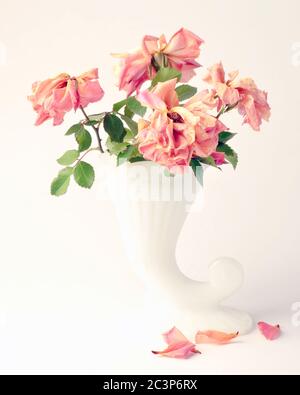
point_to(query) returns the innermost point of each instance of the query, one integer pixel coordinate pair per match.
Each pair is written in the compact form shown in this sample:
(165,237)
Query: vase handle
(226,276)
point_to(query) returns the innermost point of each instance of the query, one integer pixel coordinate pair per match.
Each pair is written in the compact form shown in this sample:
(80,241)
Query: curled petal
(184,44)
(219,158)
(214,337)
(166,92)
(178,345)
(216,74)
(66,98)
(89,75)
(204,100)
(174,336)
(270,332)
(90,92)
(151,100)
(150,45)
(179,350)
(133,71)
(229,96)
(232,76)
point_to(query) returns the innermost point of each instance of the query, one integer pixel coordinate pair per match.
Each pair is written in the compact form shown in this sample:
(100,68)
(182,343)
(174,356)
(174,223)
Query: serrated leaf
(96,117)
(119,105)
(126,155)
(185,92)
(128,113)
(84,140)
(67,171)
(74,129)
(166,74)
(91,122)
(197,169)
(133,126)
(135,106)
(230,154)
(115,148)
(84,174)
(209,161)
(60,184)
(226,136)
(114,128)
(68,157)
(129,136)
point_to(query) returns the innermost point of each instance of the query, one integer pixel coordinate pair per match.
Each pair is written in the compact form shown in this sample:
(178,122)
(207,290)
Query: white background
(68,303)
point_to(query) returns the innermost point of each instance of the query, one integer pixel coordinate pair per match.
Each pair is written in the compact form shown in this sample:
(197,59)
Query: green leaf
(129,136)
(197,169)
(74,129)
(137,159)
(114,128)
(115,148)
(84,140)
(166,74)
(230,154)
(68,157)
(117,106)
(128,113)
(133,126)
(91,122)
(84,174)
(226,136)
(135,106)
(129,153)
(185,92)
(60,184)
(209,161)
(96,118)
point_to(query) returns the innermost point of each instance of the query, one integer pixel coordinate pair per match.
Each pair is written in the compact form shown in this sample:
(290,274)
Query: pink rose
(252,103)
(208,128)
(174,134)
(179,53)
(167,137)
(132,71)
(219,158)
(54,97)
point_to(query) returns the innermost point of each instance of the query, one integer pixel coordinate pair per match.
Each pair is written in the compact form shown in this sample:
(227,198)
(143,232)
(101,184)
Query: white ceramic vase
(151,208)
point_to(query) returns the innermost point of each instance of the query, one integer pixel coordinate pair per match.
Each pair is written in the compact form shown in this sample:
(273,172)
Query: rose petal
(270,332)
(214,337)
(219,158)
(174,336)
(178,345)
(151,100)
(178,350)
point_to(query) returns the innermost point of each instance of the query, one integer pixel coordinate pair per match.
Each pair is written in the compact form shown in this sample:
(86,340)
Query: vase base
(220,318)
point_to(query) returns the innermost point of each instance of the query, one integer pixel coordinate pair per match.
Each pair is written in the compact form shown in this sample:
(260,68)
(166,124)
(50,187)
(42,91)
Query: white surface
(67,300)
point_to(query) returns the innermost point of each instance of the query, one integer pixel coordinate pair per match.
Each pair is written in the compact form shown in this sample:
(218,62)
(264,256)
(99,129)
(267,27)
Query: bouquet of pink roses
(177,126)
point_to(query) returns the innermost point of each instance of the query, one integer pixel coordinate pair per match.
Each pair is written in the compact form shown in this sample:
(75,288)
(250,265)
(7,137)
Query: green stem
(87,152)
(221,112)
(96,129)
(226,109)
